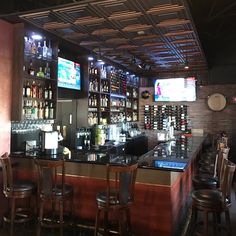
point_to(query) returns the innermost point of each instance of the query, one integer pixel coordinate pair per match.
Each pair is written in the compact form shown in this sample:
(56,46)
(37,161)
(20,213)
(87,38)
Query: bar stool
(117,198)
(16,190)
(53,189)
(214,201)
(211,180)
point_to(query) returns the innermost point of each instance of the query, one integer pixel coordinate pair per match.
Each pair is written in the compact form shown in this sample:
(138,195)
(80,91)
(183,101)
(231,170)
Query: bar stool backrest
(51,175)
(120,184)
(226,180)
(220,161)
(7,175)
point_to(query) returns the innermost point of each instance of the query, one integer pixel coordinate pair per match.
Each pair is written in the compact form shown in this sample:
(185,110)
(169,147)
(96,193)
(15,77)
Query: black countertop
(94,155)
(172,155)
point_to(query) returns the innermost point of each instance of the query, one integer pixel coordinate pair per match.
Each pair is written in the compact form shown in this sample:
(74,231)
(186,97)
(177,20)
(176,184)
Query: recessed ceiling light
(141,32)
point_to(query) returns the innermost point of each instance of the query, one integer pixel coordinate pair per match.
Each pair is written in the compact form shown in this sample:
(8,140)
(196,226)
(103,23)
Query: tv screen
(68,74)
(175,90)
(170,164)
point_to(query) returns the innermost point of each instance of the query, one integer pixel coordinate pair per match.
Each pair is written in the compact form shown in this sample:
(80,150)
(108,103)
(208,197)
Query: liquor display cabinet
(112,96)
(35,75)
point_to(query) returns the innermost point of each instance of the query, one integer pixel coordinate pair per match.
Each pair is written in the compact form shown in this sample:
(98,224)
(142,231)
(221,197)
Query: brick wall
(200,115)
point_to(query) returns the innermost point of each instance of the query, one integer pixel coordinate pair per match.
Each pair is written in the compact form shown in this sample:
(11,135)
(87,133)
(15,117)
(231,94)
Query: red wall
(6,63)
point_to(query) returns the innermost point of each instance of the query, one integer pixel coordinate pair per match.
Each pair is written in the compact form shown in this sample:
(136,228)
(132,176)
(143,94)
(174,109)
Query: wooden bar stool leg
(96,222)
(128,221)
(215,225)
(106,223)
(13,214)
(205,223)
(228,223)
(120,222)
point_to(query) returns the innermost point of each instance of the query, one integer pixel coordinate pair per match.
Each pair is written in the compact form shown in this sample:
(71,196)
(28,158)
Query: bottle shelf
(34,77)
(111,95)
(31,56)
(39,78)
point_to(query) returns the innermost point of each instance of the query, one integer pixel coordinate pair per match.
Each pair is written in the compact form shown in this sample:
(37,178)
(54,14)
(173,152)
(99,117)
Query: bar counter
(162,187)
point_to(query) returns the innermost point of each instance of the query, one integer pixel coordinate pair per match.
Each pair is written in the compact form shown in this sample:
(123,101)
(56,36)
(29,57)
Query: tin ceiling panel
(160,34)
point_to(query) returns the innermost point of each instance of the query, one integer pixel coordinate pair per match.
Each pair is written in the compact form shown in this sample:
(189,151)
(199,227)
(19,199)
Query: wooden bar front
(159,195)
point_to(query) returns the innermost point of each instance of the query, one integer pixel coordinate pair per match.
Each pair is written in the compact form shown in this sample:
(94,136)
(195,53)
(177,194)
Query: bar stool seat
(57,191)
(214,202)
(206,197)
(204,181)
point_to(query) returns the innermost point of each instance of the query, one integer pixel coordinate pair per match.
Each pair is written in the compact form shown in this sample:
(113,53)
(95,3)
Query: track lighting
(186,66)
(133,60)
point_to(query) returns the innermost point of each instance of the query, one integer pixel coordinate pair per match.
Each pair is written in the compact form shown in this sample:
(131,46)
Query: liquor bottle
(45,93)
(27,90)
(50,93)
(39,51)
(34,110)
(31,70)
(40,91)
(46,111)
(45,49)
(49,50)
(24,90)
(40,73)
(34,89)
(51,111)
(47,71)
(33,48)
(27,48)
(40,110)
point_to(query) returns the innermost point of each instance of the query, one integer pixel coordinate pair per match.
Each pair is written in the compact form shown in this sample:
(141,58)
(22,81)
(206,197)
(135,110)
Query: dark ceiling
(214,21)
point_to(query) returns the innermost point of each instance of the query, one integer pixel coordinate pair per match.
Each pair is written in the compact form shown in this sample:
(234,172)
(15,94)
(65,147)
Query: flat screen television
(69,74)
(175,90)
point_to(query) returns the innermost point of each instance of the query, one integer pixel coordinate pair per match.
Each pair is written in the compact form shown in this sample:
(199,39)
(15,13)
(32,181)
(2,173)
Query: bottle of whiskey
(33,48)
(50,93)
(46,111)
(47,71)
(40,110)
(27,90)
(31,70)
(34,110)
(51,111)
(45,93)
(34,89)
(40,91)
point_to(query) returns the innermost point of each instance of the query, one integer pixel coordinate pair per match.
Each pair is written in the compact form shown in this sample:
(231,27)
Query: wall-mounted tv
(175,90)
(69,75)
